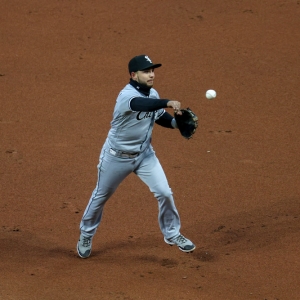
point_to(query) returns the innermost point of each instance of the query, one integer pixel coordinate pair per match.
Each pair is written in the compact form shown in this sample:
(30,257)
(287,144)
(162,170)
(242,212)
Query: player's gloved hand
(187,122)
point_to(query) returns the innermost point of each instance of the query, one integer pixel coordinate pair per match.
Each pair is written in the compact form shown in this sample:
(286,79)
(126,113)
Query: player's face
(145,77)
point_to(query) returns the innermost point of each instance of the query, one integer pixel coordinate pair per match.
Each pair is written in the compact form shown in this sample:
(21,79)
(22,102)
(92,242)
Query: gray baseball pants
(113,168)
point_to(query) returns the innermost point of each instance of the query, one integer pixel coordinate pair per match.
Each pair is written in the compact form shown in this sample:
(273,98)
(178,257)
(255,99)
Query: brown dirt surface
(236,183)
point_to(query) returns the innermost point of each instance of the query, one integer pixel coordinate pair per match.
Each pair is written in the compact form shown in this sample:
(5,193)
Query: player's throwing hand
(175,105)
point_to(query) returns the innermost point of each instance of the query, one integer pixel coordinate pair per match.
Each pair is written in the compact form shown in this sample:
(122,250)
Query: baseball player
(128,149)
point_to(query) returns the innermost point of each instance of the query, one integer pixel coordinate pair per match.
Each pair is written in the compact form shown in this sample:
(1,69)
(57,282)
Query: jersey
(131,131)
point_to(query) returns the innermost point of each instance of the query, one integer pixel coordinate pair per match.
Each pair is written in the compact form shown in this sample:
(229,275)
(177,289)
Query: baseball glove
(187,123)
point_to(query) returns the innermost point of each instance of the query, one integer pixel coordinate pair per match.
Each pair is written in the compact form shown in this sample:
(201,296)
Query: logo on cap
(147,57)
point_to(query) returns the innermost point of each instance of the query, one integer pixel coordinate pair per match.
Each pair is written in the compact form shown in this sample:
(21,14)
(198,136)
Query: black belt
(123,154)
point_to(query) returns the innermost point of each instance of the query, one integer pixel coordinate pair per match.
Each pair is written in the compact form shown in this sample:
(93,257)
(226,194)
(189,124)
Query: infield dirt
(236,183)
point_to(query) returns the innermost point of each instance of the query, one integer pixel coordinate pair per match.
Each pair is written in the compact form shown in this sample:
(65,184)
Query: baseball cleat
(182,243)
(84,246)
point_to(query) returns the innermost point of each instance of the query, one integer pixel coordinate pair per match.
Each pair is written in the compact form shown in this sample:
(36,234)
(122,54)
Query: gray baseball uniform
(128,149)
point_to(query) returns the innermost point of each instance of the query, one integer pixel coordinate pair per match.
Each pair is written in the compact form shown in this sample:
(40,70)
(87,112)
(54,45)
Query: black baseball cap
(140,63)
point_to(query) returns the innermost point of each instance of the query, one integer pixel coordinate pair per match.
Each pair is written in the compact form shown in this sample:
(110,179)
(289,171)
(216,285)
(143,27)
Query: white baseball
(211,94)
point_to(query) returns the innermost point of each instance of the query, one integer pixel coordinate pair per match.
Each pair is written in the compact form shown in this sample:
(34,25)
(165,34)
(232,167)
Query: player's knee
(164,193)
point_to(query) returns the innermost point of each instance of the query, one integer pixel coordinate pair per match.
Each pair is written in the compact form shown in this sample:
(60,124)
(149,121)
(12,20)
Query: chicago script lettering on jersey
(143,115)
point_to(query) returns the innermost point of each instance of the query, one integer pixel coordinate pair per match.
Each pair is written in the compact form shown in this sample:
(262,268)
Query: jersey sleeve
(165,120)
(159,113)
(124,99)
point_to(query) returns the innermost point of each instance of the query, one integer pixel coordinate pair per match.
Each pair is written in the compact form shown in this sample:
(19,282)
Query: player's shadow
(27,249)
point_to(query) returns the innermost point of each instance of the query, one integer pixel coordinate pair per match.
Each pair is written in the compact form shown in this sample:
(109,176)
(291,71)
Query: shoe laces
(86,241)
(181,239)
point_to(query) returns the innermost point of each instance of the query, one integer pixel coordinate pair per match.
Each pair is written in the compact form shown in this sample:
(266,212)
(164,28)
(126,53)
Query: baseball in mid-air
(211,94)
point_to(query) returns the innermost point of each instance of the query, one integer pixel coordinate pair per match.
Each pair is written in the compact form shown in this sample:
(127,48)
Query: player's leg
(151,172)
(111,172)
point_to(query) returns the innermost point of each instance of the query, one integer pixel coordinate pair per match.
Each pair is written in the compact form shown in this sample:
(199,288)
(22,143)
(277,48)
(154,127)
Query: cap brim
(152,67)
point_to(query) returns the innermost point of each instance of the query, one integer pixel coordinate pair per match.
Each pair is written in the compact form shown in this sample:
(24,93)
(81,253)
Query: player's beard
(148,83)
